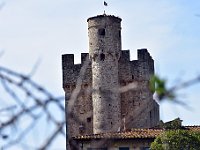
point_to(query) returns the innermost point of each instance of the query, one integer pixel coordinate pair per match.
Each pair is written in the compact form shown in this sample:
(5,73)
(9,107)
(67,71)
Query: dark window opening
(102,32)
(96,148)
(123,148)
(89,119)
(85,85)
(67,87)
(144,148)
(111,123)
(132,76)
(150,115)
(119,33)
(102,56)
(109,104)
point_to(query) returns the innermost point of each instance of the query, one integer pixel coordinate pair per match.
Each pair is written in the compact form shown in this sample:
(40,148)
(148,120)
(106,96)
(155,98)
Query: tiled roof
(193,128)
(133,134)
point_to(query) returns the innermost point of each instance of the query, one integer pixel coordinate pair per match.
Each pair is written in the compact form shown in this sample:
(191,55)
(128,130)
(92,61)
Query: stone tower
(104,51)
(99,107)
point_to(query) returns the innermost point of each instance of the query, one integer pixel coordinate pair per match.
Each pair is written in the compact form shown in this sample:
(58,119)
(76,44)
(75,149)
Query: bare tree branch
(32,101)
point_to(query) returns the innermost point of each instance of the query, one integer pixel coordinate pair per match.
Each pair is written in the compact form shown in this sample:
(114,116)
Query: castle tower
(102,110)
(104,51)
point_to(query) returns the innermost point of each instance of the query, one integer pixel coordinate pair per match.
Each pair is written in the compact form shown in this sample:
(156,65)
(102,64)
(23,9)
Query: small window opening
(123,148)
(85,85)
(111,123)
(89,119)
(102,56)
(119,33)
(67,87)
(102,32)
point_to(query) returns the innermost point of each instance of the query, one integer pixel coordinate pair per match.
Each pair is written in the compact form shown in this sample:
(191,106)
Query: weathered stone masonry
(104,53)
(104,109)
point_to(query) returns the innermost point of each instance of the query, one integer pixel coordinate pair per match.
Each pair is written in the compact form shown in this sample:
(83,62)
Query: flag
(105,4)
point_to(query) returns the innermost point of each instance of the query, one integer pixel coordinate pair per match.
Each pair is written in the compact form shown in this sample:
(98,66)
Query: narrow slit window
(119,33)
(102,56)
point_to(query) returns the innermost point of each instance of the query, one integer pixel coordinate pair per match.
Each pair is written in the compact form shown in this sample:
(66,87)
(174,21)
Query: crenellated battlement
(143,54)
(84,56)
(71,71)
(125,56)
(139,69)
(68,59)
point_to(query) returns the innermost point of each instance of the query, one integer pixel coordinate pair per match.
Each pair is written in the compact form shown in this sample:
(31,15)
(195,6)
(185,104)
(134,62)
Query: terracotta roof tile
(133,134)
(193,128)
(136,133)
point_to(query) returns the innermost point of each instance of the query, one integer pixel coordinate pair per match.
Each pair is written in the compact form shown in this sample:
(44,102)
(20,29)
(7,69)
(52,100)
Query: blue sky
(32,30)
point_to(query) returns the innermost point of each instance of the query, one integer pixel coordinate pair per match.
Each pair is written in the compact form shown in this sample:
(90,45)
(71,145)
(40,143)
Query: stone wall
(137,105)
(139,110)
(114,144)
(80,117)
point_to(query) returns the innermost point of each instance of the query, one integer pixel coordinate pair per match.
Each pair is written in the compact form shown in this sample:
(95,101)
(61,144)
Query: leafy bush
(177,140)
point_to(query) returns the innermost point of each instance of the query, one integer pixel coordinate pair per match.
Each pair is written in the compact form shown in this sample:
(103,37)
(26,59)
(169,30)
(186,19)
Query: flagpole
(105,4)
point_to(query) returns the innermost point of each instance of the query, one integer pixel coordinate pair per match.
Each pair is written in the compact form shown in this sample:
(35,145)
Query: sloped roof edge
(132,134)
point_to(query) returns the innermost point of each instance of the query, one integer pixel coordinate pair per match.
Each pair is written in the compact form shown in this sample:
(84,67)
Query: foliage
(158,85)
(177,140)
(162,92)
(174,124)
